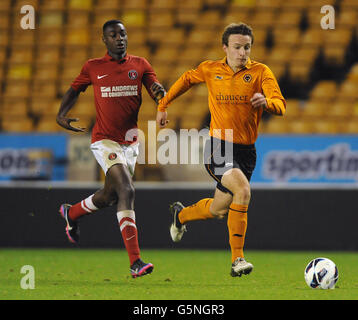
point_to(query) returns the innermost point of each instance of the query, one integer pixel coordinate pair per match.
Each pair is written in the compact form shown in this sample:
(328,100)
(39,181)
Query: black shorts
(221,156)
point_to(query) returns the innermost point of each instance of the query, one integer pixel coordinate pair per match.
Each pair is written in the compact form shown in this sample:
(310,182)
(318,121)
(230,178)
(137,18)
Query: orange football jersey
(229,97)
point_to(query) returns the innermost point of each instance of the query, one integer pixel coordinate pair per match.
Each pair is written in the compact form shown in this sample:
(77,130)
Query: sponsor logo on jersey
(119,91)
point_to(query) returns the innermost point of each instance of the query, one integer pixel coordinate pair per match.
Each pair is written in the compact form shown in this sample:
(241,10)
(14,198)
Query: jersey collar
(247,66)
(109,58)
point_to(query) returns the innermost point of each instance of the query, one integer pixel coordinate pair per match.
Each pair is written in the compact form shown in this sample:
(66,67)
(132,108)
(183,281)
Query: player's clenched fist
(258,100)
(162,119)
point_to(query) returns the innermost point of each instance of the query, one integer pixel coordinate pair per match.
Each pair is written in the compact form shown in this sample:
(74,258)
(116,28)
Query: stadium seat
(340,110)
(4,39)
(19,72)
(163,5)
(312,38)
(107,5)
(235,15)
(301,126)
(327,126)
(46,72)
(347,18)
(19,55)
(353,73)
(53,5)
(4,21)
(80,5)
(279,54)
(100,16)
(14,106)
(44,106)
(348,5)
(287,18)
(20,3)
(347,91)
(324,91)
(275,125)
(134,18)
(17,124)
(74,54)
(17,88)
(5,5)
(47,54)
(43,89)
(299,72)
(51,19)
(77,37)
(135,4)
(315,109)
(261,19)
(293,109)
(140,50)
(215,52)
(48,124)
(289,37)
(211,19)
(77,19)
(51,37)
(160,19)
(350,126)
(192,55)
(334,56)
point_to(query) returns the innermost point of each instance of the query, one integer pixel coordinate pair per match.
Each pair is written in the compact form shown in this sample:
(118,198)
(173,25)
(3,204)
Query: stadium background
(317,71)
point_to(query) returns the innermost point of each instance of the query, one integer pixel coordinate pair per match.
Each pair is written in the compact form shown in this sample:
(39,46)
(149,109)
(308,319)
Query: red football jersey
(117,86)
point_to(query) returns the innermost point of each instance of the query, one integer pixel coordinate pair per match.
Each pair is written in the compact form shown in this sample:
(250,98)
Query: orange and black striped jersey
(229,95)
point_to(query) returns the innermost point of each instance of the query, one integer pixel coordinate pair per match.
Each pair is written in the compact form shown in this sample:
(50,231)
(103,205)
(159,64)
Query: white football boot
(240,266)
(176,228)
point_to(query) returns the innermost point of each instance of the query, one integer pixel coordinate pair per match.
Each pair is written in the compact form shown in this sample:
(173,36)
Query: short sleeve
(83,80)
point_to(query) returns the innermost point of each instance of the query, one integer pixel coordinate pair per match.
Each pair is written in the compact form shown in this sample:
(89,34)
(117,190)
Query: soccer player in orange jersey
(240,89)
(117,80)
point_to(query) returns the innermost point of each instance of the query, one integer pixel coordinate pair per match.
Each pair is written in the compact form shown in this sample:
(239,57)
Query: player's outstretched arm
(68,101)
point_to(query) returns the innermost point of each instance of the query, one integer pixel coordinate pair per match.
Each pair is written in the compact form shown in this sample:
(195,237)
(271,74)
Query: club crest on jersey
(132,74)
(247,77)
(112,156)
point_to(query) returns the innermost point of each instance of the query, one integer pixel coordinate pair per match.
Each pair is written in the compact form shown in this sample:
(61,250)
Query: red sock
(126,220)
(84,207)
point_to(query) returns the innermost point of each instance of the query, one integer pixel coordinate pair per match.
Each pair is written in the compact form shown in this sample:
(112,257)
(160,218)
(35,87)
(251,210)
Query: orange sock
(197,211)
(237,224)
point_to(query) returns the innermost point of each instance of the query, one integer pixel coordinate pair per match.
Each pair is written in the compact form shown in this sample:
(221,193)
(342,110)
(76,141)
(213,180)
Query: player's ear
(103,39)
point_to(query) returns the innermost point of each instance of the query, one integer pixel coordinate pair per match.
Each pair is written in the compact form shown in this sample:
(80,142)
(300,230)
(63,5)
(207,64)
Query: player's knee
(126,190)
(219,213)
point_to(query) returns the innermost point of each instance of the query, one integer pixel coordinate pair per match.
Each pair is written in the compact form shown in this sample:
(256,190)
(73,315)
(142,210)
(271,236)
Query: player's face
(116,39)
(238,50)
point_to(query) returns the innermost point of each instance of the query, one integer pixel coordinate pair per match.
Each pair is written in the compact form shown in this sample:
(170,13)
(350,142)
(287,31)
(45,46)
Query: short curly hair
(237,28)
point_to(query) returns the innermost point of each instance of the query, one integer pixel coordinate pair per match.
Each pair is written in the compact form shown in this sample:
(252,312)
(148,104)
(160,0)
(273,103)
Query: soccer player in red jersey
(117,80)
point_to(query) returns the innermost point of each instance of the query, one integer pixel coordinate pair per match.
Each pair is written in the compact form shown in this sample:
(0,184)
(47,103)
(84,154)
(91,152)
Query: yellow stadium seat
(17,124)
(312,38)
(290,38)
(192,55)
(135,4)
(299,72)
(200,37)
(77,19)
(301,126)
(53,5)
(347,18)
(315,109)
(275,125)
(279,54)
(334,55)
(80,4)
(5,5)
(51,19)
(27,38)
(19,55)
(160,19)
(46,72)
(235,15)
(340,109)
(165,55)
(288,19)
(349,5)
(135,18)
(79,37)
(48,124)
(214,53)
(51,37)
(70,72)
(17,89)
(140,51)
(47,55)
(326,126)
(261,18)
(353,73)
(97,51)
(20,3)
(293,109)
(19,72)
(163,5)
(108,5)
(14,106)
(350,126)
(101,16)
(278,69)
(209,19)
(4,38)
(260,36)
(44,106)
(4,21)
(44,89)
(245,4)
(75,54)
(347,91)
(325,91)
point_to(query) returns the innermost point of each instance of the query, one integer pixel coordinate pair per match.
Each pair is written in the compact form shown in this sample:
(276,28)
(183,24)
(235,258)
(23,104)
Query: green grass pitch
(83,274)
